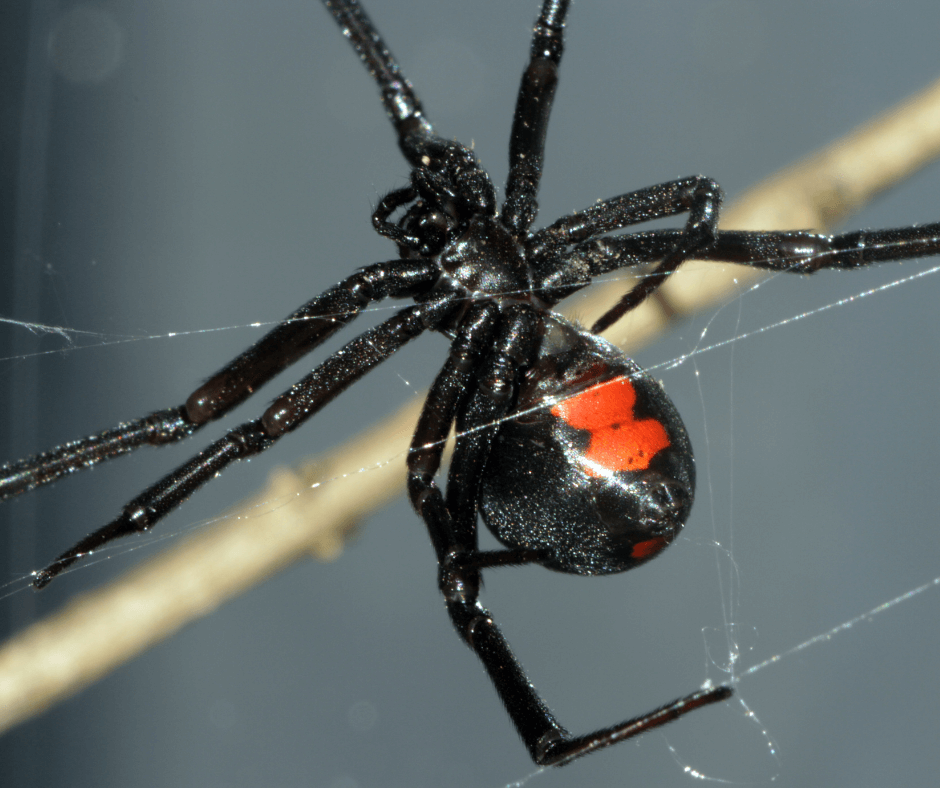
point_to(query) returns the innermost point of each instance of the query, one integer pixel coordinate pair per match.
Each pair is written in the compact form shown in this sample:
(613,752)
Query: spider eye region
(595,469)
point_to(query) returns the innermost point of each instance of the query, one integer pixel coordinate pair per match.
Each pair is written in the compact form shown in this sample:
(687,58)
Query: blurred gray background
(189,167)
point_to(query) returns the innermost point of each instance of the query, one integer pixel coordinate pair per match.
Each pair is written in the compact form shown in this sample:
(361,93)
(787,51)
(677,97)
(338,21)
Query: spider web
(814,441)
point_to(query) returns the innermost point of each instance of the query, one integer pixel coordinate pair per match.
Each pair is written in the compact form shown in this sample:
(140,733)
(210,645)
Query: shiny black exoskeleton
(575,457)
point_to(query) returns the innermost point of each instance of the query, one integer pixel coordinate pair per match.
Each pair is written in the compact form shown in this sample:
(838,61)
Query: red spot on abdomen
(619,442)
(649,548)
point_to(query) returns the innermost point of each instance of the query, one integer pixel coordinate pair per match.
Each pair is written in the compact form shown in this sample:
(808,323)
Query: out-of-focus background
(175,172)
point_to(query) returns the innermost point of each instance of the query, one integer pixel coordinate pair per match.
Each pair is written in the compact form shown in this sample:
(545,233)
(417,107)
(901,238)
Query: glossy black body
(600,256)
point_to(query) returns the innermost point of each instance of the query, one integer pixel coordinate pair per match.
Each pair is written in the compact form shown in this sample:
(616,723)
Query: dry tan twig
(309,509)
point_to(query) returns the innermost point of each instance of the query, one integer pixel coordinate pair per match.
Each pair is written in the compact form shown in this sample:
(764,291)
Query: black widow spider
(668,241)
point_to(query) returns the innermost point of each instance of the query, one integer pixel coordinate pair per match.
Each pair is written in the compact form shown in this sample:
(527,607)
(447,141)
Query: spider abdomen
(595,468)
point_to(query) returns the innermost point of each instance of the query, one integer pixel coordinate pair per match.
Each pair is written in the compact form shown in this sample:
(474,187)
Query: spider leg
(417,140)
(805,253)
(453,529)
(437,416)
(479,418)
(157,428)
(287,413)
(794,251)
(304,330)
(530,120)
(387,205)
(401,103)
(697,195)
(416,136)
(298,334)
(427,445)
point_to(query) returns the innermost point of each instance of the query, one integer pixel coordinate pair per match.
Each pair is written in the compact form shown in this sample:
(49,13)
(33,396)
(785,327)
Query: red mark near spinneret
(649,548)
(619,441)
